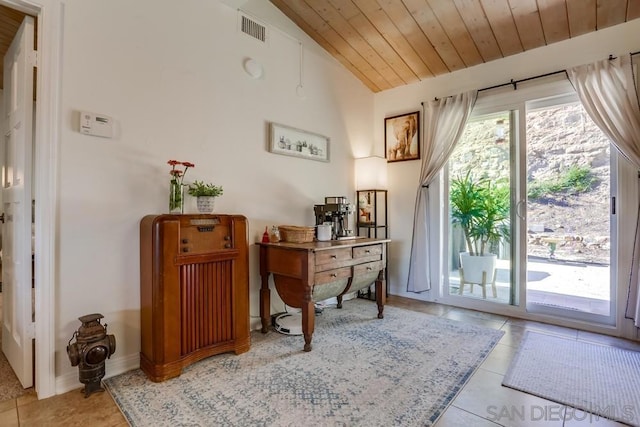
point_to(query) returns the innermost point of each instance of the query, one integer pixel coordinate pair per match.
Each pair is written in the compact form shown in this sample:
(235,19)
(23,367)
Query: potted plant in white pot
(205,194)
(481,209)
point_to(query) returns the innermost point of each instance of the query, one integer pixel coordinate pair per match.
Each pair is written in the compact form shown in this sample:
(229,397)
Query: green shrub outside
(577,179)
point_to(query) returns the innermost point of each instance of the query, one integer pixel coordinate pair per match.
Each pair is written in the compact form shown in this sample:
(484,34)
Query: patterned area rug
(402,370)
(598,379)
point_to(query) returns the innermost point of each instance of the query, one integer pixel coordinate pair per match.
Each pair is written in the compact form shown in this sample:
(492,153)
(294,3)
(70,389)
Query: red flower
(176,173)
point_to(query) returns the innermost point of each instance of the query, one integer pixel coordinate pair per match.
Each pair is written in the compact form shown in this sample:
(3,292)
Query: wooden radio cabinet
(194,290)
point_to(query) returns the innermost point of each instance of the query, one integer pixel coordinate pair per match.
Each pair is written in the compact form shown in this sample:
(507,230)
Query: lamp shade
(371,173)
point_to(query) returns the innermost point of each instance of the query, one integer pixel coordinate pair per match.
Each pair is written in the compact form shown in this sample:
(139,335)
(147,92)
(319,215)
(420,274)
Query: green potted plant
(205,194)
(481,208)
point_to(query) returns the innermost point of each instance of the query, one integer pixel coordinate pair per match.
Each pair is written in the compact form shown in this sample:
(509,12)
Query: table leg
(265,293)
(308,323)
(265,303)
(381,294)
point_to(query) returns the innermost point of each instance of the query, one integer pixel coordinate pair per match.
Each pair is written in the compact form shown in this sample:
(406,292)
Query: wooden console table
(305,273)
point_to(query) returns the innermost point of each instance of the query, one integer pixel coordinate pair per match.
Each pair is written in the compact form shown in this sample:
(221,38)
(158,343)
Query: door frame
(49,16)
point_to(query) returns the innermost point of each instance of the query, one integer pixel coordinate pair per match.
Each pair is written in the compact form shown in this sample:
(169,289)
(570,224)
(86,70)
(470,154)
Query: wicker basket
(296,234)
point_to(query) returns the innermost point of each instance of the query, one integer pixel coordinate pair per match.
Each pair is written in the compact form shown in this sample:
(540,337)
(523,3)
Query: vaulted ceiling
(390,43)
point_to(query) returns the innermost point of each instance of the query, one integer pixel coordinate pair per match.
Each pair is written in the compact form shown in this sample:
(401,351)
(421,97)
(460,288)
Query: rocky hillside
(574,224)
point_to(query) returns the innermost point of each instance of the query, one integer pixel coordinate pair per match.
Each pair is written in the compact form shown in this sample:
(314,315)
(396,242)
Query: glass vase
(176,197)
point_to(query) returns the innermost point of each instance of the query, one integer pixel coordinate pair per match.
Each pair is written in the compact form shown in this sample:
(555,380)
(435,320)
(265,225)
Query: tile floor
(482,402)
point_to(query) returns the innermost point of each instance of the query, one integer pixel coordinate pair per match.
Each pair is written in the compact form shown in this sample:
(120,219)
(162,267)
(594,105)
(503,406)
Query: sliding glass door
(529,192)
(479,190)
(569,213)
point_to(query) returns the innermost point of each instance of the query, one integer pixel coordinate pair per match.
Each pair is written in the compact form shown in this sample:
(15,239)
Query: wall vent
(253,28)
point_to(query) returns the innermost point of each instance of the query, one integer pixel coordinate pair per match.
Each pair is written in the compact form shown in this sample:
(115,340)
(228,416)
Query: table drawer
(367,251)
(332,275)
(333,256)
(366,268)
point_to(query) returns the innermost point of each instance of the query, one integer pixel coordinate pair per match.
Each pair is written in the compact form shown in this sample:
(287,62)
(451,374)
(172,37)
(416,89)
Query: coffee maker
(335,211)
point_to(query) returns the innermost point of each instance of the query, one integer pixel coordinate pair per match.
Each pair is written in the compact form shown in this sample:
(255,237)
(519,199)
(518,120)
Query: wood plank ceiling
(10,21)
(390,43)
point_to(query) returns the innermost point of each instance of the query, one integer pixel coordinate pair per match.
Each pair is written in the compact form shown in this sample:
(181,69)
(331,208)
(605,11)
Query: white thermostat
(96,124)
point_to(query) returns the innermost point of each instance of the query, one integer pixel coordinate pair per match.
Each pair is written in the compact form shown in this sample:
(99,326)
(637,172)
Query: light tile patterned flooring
(482,402)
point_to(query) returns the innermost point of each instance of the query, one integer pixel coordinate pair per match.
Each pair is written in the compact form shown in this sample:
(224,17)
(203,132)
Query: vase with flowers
(176,186)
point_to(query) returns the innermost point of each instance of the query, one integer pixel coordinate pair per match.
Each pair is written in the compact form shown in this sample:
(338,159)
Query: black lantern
(92,347)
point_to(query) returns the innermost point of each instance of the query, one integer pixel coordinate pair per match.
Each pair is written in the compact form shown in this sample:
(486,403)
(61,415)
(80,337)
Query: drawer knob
(185,241)
(334,275)
(227,237)
(367,251)
(333,257)
(369,268)
(227,245)
(185,249)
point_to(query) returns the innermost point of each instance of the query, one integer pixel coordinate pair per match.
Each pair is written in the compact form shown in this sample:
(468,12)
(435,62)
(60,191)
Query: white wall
(403,176)
(170,74)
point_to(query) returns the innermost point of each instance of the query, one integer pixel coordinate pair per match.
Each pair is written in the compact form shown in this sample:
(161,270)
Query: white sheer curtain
(608,93)
(444,121)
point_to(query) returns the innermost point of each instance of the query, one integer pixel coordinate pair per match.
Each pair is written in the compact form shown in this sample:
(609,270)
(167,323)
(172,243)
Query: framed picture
(298,143)
(402,137)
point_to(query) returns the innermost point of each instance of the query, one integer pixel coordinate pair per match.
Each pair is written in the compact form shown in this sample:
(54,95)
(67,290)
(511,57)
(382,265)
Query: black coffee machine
(336,211)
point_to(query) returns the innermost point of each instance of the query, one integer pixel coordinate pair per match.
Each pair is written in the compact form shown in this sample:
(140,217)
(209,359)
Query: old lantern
(92,347)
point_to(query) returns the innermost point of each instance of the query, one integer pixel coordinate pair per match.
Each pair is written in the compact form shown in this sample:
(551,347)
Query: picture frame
(402,137)
(290,141)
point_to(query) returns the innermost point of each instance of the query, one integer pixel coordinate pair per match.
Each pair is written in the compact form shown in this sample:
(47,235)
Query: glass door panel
(568,213)
(479,189)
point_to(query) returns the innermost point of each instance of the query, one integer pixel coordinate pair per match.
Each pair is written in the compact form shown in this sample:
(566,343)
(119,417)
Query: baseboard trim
(114,366)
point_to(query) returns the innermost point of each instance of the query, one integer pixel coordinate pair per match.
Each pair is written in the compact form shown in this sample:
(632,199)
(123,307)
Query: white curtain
(608,93)
(444,122)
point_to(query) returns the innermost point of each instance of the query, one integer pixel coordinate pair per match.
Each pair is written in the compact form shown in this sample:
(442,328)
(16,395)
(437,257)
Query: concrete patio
(566,284)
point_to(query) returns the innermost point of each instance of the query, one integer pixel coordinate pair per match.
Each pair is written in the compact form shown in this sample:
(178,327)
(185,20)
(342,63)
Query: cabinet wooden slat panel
(207,318)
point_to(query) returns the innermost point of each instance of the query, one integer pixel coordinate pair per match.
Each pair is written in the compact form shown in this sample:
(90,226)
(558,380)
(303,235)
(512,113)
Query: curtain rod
(514,83)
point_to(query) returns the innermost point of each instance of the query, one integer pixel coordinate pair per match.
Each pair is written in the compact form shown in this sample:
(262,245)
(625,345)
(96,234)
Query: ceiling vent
(253,28)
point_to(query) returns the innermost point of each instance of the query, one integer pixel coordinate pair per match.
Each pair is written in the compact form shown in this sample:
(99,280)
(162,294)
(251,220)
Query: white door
(18,326)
